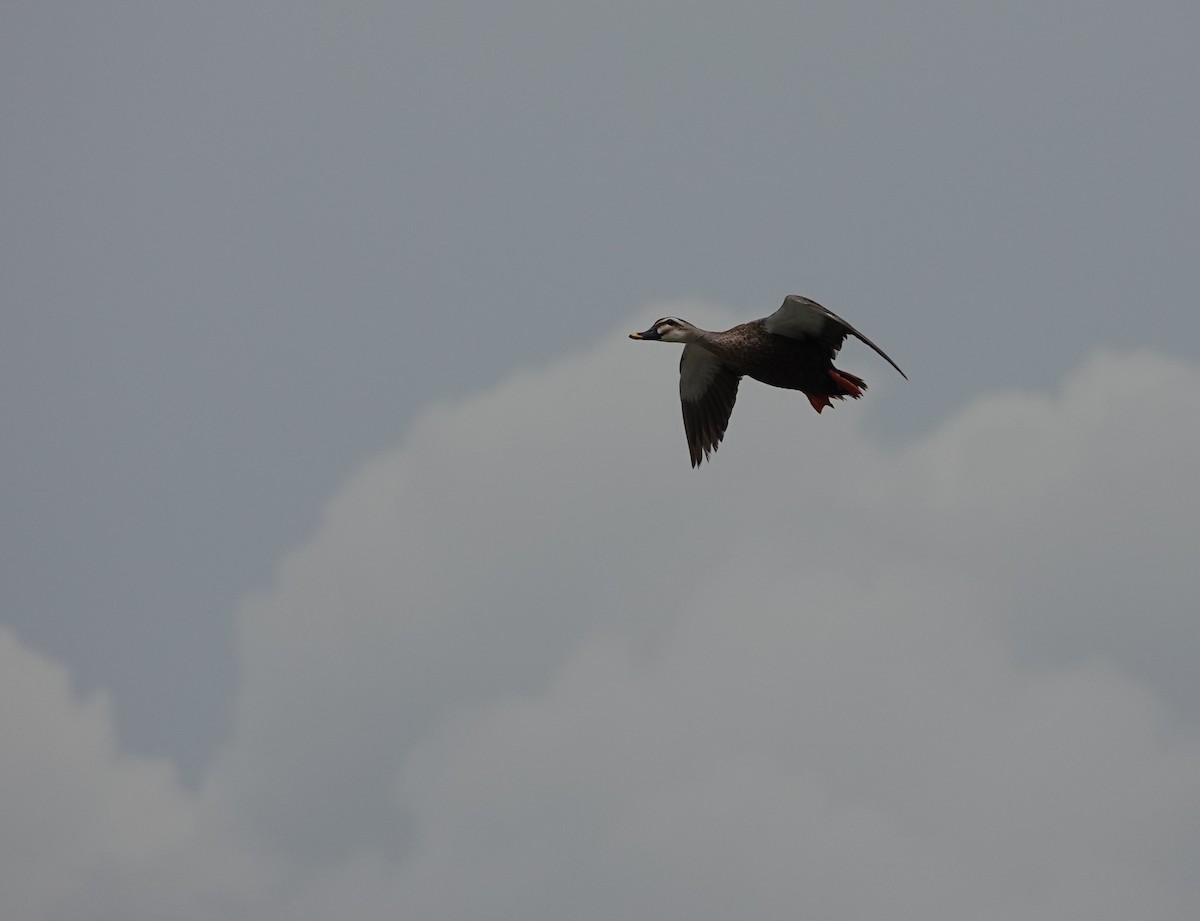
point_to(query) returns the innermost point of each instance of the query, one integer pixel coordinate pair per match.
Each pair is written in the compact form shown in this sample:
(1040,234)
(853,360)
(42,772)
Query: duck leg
(848,385)
(845,385)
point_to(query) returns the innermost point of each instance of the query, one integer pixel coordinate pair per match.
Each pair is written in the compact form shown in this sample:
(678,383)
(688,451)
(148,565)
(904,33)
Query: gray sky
(352,563)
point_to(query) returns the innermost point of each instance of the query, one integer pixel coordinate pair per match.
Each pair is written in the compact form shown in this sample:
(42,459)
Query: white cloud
(737,776)
(73,807)
(89,832)
(532,665)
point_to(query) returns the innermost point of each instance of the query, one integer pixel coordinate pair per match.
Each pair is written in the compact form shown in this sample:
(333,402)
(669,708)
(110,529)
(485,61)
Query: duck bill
(651,333)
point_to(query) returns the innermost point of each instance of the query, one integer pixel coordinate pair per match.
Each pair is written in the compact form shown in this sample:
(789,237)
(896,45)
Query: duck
(793,348)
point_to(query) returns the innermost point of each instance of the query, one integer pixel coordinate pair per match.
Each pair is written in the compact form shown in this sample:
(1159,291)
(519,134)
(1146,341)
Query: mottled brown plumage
(793,348)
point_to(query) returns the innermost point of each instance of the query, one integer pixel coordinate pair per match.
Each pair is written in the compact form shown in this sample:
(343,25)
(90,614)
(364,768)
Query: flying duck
(793,348)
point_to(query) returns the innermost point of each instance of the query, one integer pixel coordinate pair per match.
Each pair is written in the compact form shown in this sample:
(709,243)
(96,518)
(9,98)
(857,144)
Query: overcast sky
(351,561)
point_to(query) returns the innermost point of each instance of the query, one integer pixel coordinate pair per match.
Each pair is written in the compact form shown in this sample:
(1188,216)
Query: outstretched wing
(707,390)
(800,318)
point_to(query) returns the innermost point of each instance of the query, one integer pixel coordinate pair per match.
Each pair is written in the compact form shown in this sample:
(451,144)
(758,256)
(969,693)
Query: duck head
(668,329)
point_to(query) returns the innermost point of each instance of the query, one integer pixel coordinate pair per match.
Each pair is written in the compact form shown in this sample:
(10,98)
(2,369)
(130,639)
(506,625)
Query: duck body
(772,359)
(792,348)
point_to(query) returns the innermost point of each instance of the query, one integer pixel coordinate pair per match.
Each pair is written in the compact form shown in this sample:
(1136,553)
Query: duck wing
(707,390)
(801,318)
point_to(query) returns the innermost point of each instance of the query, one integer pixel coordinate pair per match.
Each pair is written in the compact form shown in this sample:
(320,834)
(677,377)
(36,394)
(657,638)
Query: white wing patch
(798,318)
(697,368)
